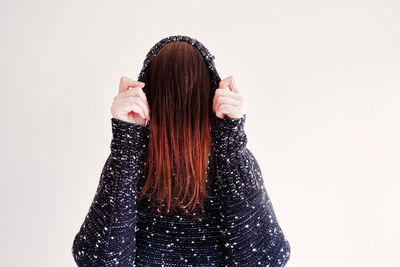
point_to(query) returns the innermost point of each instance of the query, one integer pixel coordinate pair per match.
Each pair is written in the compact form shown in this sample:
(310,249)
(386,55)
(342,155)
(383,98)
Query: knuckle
(133,106)
(130,98)
(132,90)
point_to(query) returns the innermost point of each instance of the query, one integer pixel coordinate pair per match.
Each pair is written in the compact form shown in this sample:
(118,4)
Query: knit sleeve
(250,231)
(107,236)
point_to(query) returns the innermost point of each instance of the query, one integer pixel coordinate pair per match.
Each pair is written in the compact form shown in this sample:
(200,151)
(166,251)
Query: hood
(208,57)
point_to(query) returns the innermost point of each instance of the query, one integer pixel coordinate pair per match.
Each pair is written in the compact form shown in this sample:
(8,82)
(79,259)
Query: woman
(180,187)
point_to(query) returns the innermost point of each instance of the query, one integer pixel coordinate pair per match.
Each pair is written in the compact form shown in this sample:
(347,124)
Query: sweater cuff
(230,123)
(128,137)
(229,135)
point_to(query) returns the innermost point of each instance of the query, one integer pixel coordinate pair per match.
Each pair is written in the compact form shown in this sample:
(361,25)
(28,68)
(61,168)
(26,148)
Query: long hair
(179,90)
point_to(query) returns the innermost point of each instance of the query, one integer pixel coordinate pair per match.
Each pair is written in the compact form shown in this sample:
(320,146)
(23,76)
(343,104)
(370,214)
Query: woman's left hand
(228,99)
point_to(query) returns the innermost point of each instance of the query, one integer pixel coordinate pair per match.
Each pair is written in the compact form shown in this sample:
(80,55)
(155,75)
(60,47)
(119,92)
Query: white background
(322,84)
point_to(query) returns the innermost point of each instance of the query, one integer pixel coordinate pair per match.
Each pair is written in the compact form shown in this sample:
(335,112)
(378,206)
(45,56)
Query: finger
(135,91)
(225,109)
(140,112)
(226,100)
(126,82)
(142,95)
(218,93)
(229,82)
(138,101)
(136,109)
(226,92)
(129,106)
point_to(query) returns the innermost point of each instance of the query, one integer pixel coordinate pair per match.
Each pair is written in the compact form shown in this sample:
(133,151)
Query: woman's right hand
(131,103)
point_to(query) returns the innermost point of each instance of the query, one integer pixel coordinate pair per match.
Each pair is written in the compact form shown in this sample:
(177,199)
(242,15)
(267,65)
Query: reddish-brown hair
(179,90)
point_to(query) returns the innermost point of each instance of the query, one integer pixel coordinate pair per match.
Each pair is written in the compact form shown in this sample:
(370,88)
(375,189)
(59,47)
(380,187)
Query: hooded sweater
(237,227)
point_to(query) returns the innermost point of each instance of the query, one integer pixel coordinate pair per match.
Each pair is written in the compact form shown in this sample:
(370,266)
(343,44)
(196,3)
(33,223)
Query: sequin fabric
(239,226)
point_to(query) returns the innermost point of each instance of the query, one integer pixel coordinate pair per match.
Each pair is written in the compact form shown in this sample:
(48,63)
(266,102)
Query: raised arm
(107,236)
(250,230)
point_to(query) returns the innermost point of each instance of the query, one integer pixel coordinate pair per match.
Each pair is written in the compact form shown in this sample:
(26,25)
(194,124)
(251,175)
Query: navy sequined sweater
(238,226)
